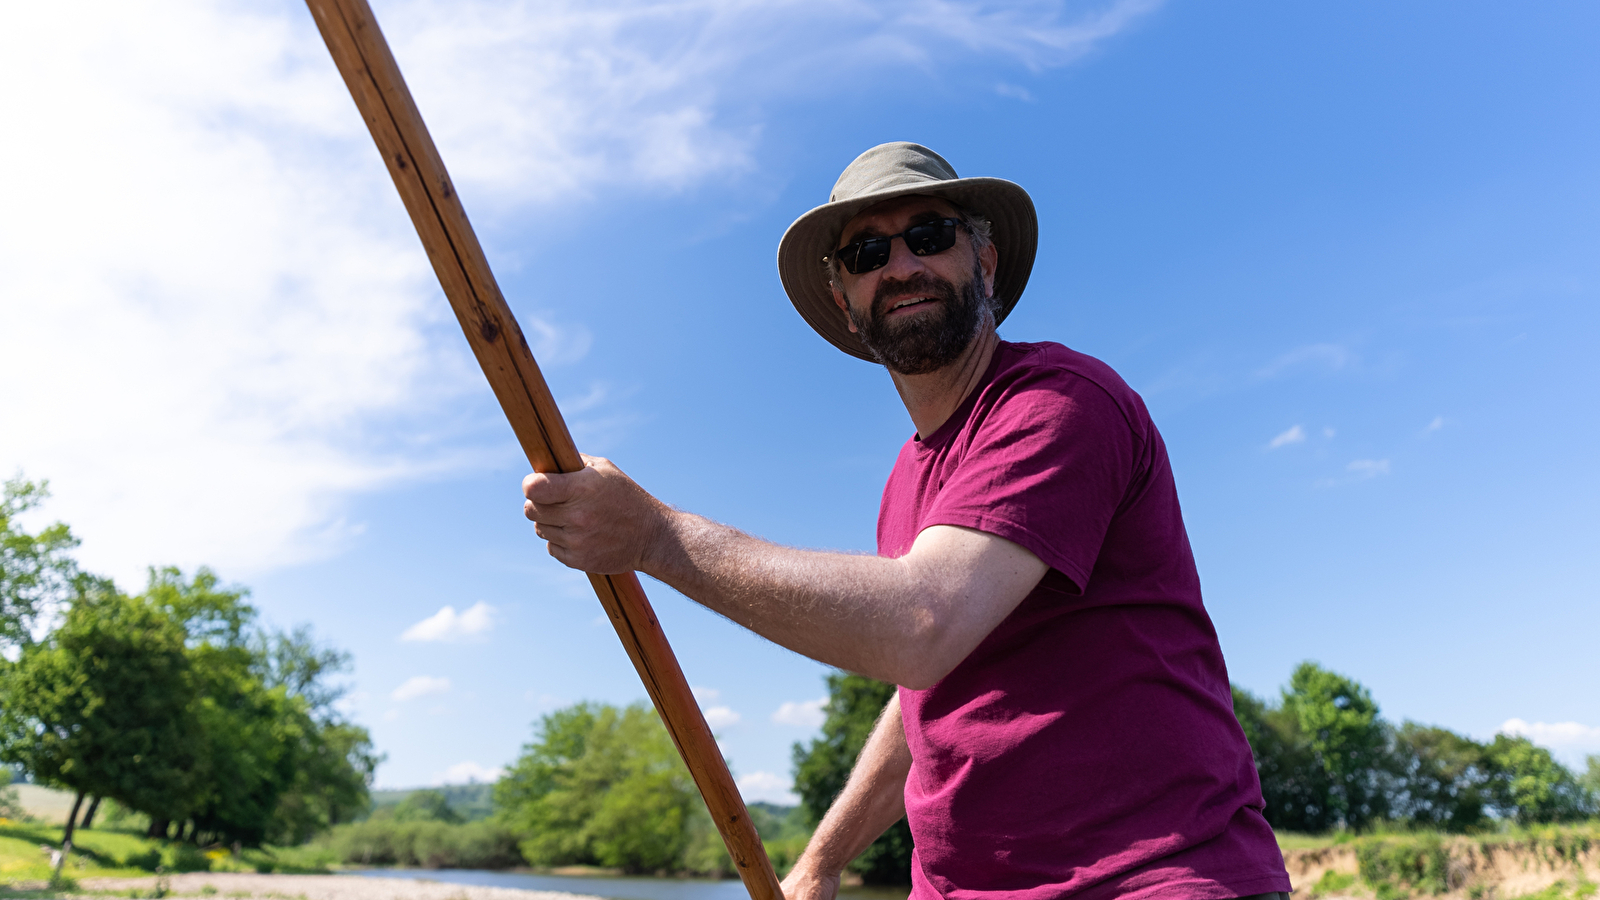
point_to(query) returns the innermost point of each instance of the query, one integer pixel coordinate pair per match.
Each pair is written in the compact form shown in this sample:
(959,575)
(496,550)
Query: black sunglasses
(922,240)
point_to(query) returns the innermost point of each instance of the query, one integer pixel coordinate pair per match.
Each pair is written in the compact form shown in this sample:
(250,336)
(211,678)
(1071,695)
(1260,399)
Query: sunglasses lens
(864,256)
(933,237)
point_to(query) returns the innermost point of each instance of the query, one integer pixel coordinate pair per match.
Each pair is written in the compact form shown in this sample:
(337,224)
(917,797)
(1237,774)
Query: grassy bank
(25,851)
(1550,862)
(1556,862)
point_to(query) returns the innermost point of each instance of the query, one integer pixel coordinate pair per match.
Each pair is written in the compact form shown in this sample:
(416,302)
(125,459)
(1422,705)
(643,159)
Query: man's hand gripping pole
(372,75)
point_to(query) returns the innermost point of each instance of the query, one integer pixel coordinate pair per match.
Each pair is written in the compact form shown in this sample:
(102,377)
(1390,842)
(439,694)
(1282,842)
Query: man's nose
(902,261)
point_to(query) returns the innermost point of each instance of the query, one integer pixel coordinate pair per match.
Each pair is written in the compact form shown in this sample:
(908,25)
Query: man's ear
(989,259)
(844,305)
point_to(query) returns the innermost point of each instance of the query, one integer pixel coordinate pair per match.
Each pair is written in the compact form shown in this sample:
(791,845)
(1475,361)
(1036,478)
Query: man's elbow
(932,651)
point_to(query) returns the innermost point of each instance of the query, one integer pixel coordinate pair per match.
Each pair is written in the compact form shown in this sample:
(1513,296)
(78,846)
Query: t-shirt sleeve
(1046,467)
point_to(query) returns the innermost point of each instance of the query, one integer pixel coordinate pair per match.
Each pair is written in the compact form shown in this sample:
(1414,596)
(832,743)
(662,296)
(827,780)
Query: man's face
(917,313)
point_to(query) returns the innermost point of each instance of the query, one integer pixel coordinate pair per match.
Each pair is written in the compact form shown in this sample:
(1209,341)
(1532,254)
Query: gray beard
(925,343)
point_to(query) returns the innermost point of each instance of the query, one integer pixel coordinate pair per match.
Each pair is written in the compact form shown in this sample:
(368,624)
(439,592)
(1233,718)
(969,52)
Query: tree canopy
(37,571)
(822,767)
(1327,759)
(174,702)
(104,705)
(600,785)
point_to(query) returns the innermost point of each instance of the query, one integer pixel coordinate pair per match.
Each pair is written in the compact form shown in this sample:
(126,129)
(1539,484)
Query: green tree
(104,705)
(295,661)
(1443,778)
(599,785)
(425,806)
(332,779)
(1528,785)
(279,762)
(333,759)
(1338,720)
(1294,788)
(822,768)
(1591,778)
(36,570)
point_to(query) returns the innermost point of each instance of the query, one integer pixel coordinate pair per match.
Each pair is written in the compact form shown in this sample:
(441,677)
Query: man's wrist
(664,552)
(808,866)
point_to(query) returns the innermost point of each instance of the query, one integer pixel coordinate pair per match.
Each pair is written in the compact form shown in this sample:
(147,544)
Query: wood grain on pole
(370,71)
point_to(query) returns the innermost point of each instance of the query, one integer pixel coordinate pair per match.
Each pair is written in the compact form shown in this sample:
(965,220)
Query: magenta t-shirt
(1087,748)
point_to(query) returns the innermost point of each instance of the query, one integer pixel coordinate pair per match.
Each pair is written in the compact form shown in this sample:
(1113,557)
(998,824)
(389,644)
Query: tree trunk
(88,817)
(72,820)
(158,828)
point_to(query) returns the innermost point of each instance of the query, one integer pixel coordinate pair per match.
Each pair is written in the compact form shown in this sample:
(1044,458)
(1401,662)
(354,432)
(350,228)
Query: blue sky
(1346,253)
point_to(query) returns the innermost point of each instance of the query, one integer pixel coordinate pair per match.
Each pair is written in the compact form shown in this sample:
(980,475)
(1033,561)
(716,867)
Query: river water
(618,888)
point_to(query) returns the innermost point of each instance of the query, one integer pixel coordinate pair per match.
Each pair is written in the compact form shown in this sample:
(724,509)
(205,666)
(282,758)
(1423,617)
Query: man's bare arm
(907,621)
(872,800)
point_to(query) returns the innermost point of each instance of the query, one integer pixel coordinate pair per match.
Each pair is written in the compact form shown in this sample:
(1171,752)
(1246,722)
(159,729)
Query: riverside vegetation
(174,703)
(205,742)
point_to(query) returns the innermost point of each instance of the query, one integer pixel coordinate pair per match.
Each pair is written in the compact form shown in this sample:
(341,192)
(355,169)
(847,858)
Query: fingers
(595,519)
(551,494)
(550,487)
(547,514)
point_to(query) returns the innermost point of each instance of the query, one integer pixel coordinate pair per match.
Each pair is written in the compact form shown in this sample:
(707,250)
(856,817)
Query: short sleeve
(1047,461)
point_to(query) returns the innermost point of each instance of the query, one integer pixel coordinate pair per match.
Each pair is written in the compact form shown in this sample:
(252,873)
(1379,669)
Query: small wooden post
(370,71)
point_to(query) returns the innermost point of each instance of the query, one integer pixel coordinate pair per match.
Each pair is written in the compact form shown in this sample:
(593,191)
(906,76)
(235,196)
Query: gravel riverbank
(247,886)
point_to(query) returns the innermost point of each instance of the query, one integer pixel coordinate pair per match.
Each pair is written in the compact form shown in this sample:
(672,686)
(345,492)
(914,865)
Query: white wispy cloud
(543,700)
(419,686)
(1327,357)
(803,713)
(767,786)
(1435,425)
(704,695)
(469,772)
(229,294)
(1570,740)
(568,96)
(1368,468)
(449,625)
(721,716)
(1296,434)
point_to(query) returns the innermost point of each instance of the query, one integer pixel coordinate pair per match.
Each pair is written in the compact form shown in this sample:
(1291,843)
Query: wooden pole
(370,71)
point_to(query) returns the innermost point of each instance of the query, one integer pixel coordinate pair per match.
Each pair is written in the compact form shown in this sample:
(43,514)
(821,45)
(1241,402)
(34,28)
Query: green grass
(1565,839)
(103,853)
(1333,882)
(1582,889)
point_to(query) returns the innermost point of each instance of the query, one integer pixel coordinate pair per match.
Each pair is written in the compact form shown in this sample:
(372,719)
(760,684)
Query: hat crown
(890,166)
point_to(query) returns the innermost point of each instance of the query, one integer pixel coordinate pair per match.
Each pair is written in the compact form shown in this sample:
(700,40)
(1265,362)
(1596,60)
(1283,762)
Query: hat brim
(1014,227)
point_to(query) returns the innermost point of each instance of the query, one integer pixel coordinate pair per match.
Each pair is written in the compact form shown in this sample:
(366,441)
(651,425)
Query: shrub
(1332,882)
(1392,866)
(426,844)
(181,857)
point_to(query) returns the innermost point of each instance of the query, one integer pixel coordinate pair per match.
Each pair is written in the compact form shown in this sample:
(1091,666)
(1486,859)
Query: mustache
(920,284)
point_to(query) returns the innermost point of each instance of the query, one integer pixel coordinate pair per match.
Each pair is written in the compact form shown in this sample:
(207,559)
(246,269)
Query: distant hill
(469,801)
(476,801)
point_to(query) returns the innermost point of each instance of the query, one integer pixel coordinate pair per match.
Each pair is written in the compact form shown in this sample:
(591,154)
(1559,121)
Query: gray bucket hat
(897,170)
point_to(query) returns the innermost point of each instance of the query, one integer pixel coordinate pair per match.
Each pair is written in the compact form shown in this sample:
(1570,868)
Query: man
(1063,725)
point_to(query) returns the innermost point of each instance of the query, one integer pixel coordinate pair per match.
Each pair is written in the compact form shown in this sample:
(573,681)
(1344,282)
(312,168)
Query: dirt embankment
(1454,868)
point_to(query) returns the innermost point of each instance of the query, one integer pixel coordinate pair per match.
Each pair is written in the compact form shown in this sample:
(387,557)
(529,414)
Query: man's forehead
(878,218)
